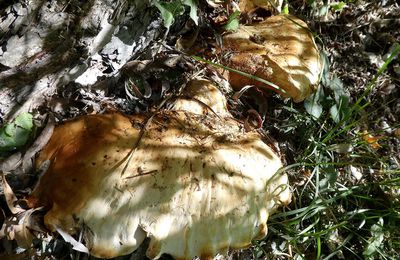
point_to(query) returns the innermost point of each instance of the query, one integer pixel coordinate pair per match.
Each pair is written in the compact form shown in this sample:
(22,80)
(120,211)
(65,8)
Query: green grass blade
(269,84)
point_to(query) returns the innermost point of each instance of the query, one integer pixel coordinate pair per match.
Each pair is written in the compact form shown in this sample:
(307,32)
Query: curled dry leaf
(371,140)
(190,178)
(11,163)
(11,199)
(22,223)
(21,227)
(280,49)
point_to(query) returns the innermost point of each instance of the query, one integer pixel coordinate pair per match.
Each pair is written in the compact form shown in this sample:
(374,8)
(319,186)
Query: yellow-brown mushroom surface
(189,178)
(269,5)
(280,49)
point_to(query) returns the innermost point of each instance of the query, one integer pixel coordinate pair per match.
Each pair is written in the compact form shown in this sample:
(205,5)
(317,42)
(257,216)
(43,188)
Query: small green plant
(15,134)
(171,9)
(233,22)
(337,100)
(321,8)
(285,8)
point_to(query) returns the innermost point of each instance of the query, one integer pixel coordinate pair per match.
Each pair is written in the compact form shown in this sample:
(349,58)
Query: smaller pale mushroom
(190,178)
(280,49)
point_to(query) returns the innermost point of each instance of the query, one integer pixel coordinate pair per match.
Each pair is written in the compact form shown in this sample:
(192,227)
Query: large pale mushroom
(190,178)
(280,49)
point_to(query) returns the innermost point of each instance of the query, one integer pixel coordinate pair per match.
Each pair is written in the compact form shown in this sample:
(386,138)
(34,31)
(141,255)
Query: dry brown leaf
(371,140)
(11,163)
(20,227)
(11,199)
(397,132)
(22,232)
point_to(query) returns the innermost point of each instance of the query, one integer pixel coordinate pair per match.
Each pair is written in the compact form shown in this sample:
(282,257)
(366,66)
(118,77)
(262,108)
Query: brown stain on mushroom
(78,159)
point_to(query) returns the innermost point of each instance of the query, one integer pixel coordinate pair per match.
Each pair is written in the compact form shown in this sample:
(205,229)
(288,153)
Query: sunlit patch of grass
(346,188)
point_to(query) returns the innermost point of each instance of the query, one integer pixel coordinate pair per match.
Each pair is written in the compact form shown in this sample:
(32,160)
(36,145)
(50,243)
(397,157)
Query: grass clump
(346,184)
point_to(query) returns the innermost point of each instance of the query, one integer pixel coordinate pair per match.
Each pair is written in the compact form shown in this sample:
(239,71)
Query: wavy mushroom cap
(280,49)
(200,96)
(194,183)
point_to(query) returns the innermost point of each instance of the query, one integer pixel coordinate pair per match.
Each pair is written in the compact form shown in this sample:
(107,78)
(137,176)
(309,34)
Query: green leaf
(330,178)
(16,134)
(338,7)
(24,120)
(334,112)
(10,129)
(342,98)
(233,22)
(313,107)
(325,78)
(5,139)
(21,137)
(323,10)
(338,88)
(376,240)
(193,9)
(169,10)
(285,9)
(312,104)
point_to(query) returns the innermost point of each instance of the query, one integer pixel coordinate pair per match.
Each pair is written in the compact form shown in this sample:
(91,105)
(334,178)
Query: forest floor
(341,146)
